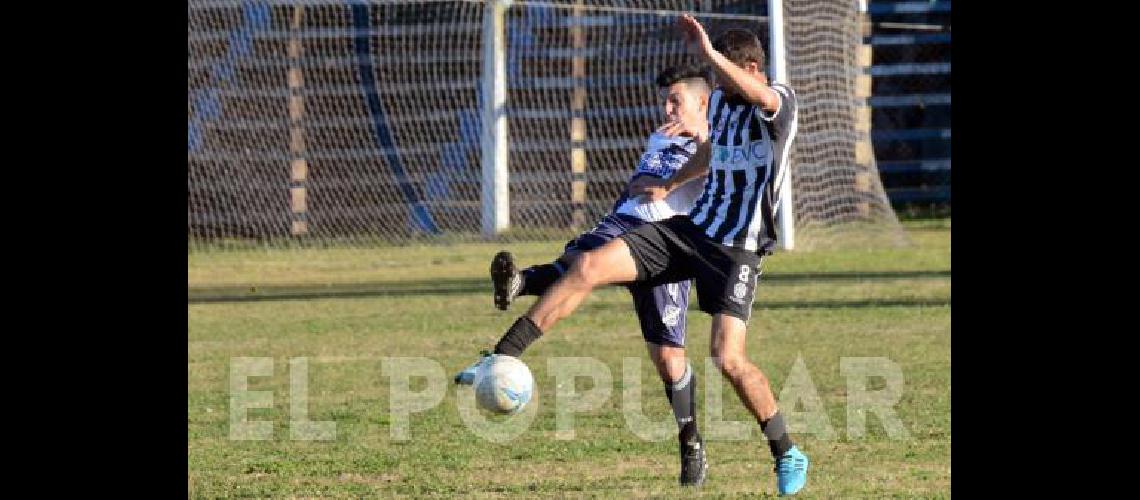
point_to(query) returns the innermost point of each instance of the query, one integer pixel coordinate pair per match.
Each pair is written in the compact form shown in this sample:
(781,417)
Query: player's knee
(568,258)
(586,270)
(671,363)
(726,365)
(732,365)
(673,357)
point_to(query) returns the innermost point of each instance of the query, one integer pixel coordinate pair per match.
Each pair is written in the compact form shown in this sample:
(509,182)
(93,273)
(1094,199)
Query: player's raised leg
(611,263)
(509,282)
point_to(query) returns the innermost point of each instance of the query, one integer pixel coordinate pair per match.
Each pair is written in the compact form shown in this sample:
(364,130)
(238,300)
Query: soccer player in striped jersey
(720,243)
(662,309)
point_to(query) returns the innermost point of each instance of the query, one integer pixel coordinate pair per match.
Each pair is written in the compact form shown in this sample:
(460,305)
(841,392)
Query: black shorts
(675,249)
(662,310)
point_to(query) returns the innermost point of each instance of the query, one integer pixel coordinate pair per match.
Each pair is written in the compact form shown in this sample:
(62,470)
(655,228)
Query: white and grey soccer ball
(503,384)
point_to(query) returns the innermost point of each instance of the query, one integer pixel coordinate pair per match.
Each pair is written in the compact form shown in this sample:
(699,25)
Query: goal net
(318,123)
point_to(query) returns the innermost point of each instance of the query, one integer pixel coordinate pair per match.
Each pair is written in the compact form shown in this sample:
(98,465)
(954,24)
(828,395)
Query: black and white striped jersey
(749,151)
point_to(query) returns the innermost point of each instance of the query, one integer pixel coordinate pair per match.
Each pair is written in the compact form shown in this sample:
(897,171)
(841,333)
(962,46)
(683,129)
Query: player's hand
(674,128)
(695,37)
(649,188)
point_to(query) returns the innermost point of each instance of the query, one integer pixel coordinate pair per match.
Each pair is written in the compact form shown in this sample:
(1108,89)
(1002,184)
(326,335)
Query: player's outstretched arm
(728,74)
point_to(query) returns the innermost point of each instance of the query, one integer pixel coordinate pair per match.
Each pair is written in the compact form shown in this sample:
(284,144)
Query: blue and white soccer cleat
(791,472)
(467,376)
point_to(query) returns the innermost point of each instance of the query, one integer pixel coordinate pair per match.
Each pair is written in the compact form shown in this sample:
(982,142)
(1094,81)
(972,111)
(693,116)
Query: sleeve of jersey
(678,155)
(787,104)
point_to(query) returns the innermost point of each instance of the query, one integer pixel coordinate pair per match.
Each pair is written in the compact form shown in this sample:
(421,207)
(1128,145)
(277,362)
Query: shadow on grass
(459,286)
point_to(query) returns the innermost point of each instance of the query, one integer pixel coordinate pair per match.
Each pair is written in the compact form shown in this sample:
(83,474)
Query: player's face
(681,103)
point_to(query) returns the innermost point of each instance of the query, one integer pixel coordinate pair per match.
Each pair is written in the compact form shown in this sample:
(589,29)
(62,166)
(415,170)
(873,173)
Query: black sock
(536,279)
(682,398)
(777,434)
(518,337)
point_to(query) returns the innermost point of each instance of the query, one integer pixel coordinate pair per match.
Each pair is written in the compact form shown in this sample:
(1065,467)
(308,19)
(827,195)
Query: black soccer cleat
(694,466)
(507,279)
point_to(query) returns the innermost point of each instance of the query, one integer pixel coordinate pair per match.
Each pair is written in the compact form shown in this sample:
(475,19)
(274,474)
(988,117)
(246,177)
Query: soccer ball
(503,384)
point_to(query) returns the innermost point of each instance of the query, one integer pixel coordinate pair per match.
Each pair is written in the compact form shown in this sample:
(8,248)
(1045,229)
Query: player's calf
(682,397)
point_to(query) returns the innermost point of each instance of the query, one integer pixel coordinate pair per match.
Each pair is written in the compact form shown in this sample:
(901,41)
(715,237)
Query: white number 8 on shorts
(744,270)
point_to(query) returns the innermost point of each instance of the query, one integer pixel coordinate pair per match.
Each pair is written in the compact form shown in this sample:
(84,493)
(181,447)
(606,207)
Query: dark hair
(674,74)
(740,46)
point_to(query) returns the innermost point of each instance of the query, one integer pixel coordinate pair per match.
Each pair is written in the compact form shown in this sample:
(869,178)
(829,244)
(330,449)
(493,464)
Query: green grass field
(346,310)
